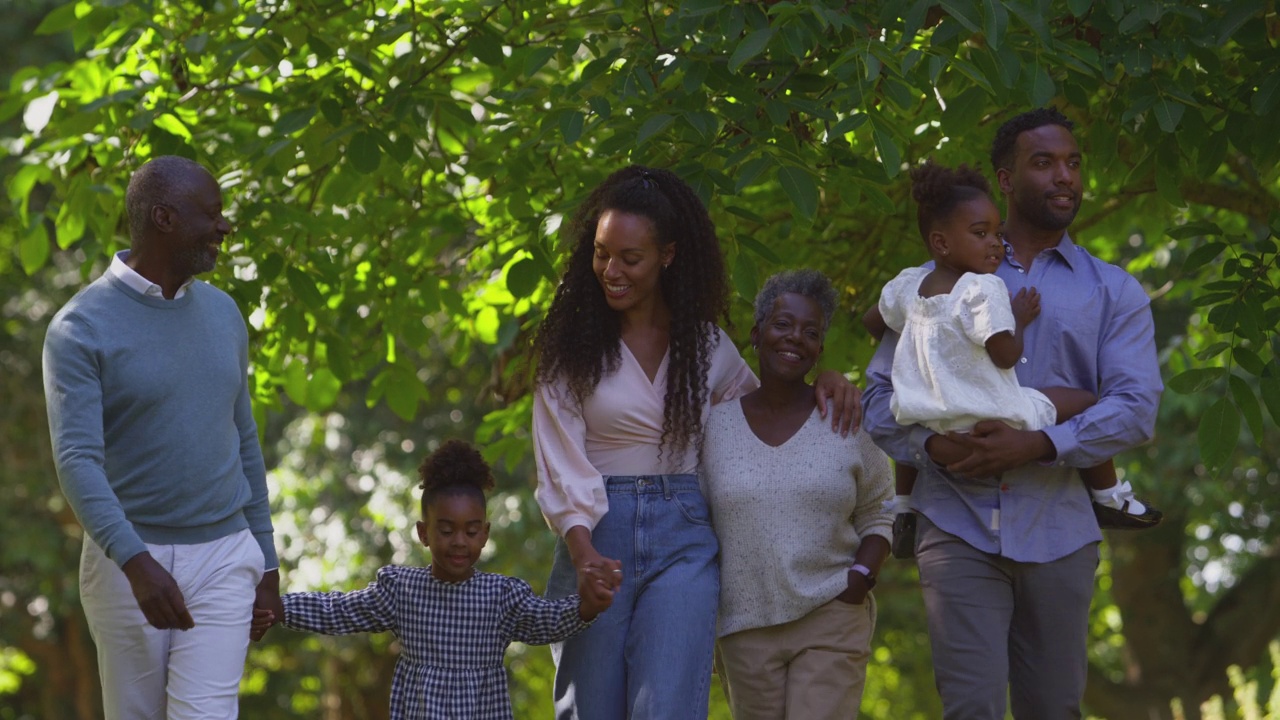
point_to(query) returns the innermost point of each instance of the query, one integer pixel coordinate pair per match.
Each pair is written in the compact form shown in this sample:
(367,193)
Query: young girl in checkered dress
(454,622)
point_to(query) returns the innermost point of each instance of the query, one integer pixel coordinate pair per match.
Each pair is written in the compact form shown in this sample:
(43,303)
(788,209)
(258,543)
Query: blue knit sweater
(153,432)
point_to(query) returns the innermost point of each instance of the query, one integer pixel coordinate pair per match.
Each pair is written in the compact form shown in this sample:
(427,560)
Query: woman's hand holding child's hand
(596,586)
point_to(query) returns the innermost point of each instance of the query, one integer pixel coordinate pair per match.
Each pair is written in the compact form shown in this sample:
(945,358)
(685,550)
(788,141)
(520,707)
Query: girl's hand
(846,401)
(583,553)
(263,619)
(596,590)
(1026,306)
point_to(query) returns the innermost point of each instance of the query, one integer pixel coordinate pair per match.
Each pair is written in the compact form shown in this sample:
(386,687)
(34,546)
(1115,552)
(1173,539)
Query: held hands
(1026,306)
(268,609)
(598,576)
(596,586)
(157,593)
(263,619)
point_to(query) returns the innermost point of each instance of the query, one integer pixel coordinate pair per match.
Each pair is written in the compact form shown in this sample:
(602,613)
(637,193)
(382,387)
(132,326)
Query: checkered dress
(452,635)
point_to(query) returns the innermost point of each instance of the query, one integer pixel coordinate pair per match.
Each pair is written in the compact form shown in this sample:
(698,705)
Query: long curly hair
(578,341)
(938,189)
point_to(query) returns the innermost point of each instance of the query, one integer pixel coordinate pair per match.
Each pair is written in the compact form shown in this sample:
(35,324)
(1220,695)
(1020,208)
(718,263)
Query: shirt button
(1019,269)
(1023,361)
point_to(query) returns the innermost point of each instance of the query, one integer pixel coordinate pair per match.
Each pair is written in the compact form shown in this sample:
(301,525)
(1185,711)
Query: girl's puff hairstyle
(578,342)
(455,468)
(938,190)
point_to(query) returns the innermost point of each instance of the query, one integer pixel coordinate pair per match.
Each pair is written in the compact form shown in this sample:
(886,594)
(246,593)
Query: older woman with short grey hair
(801,525)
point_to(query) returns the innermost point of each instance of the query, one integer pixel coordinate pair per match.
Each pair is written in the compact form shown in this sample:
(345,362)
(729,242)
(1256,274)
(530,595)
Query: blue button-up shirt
(1094,332)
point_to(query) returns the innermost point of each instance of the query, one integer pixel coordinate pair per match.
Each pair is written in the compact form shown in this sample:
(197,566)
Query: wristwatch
(865,572)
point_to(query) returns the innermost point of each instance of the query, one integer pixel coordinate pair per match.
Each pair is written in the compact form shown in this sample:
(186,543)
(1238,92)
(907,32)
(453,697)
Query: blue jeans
(648,657)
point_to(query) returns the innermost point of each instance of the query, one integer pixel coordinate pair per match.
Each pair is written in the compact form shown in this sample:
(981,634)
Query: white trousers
(151,674)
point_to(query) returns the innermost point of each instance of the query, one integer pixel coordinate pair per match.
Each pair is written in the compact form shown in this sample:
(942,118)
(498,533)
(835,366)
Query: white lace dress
(942,376)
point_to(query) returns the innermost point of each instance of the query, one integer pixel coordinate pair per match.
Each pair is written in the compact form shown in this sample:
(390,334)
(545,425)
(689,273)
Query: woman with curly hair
(630,359)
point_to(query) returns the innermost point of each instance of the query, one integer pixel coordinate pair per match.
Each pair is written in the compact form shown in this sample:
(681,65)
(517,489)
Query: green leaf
(1264,100)
(571,126)
(486,46)
(752,45)
(652,126)
(1195,379)
(60,19)
(890,156)
(801,189)
(172,125)
(1247,404)
(751,170)
(363,152)
(304,288)
(995,22)
(523,277)
(1212,351)
(964,12)
(1269,385)
(1211,151)
(1167,188)
(963,112)
(486,324)
(1042,88)
(322,390)
(536,58)
(759,248)
(294,120)
(33,249)
(295,382)
(1168,114)
(1248,360)
(746,279)
(744,213)
(332,111)
(1192,229)
(1218,434)
(1202,256)
(402,393)
(1079,7)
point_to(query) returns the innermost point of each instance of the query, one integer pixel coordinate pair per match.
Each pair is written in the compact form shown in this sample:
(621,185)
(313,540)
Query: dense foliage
(397,171)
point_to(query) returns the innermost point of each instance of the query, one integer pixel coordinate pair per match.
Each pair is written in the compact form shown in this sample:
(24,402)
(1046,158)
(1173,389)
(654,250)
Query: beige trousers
(808,669)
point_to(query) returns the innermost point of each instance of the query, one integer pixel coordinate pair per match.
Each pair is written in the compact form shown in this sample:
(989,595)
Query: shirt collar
(136,282)
(1066,249)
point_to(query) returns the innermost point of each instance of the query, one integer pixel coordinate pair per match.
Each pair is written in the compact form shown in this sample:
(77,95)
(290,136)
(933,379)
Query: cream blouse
(616,431)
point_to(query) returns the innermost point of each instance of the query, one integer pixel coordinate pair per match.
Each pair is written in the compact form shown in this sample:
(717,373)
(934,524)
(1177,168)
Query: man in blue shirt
(1008,541)
(145,374)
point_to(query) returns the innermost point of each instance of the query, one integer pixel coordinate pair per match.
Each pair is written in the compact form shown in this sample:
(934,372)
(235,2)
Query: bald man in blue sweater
(146,380)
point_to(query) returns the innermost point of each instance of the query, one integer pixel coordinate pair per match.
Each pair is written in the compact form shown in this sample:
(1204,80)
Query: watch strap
(865,572)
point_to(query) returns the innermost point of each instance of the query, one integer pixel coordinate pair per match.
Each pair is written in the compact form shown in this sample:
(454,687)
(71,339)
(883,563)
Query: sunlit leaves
(1218,433)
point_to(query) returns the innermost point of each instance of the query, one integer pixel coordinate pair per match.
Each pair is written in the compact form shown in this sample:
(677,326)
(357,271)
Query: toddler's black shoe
(1110,518)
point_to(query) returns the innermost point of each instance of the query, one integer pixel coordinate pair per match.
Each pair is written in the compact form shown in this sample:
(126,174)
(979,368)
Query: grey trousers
(998,625)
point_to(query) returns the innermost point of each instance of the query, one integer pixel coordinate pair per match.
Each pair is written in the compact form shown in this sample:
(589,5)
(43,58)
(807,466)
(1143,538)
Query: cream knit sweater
(789,518)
